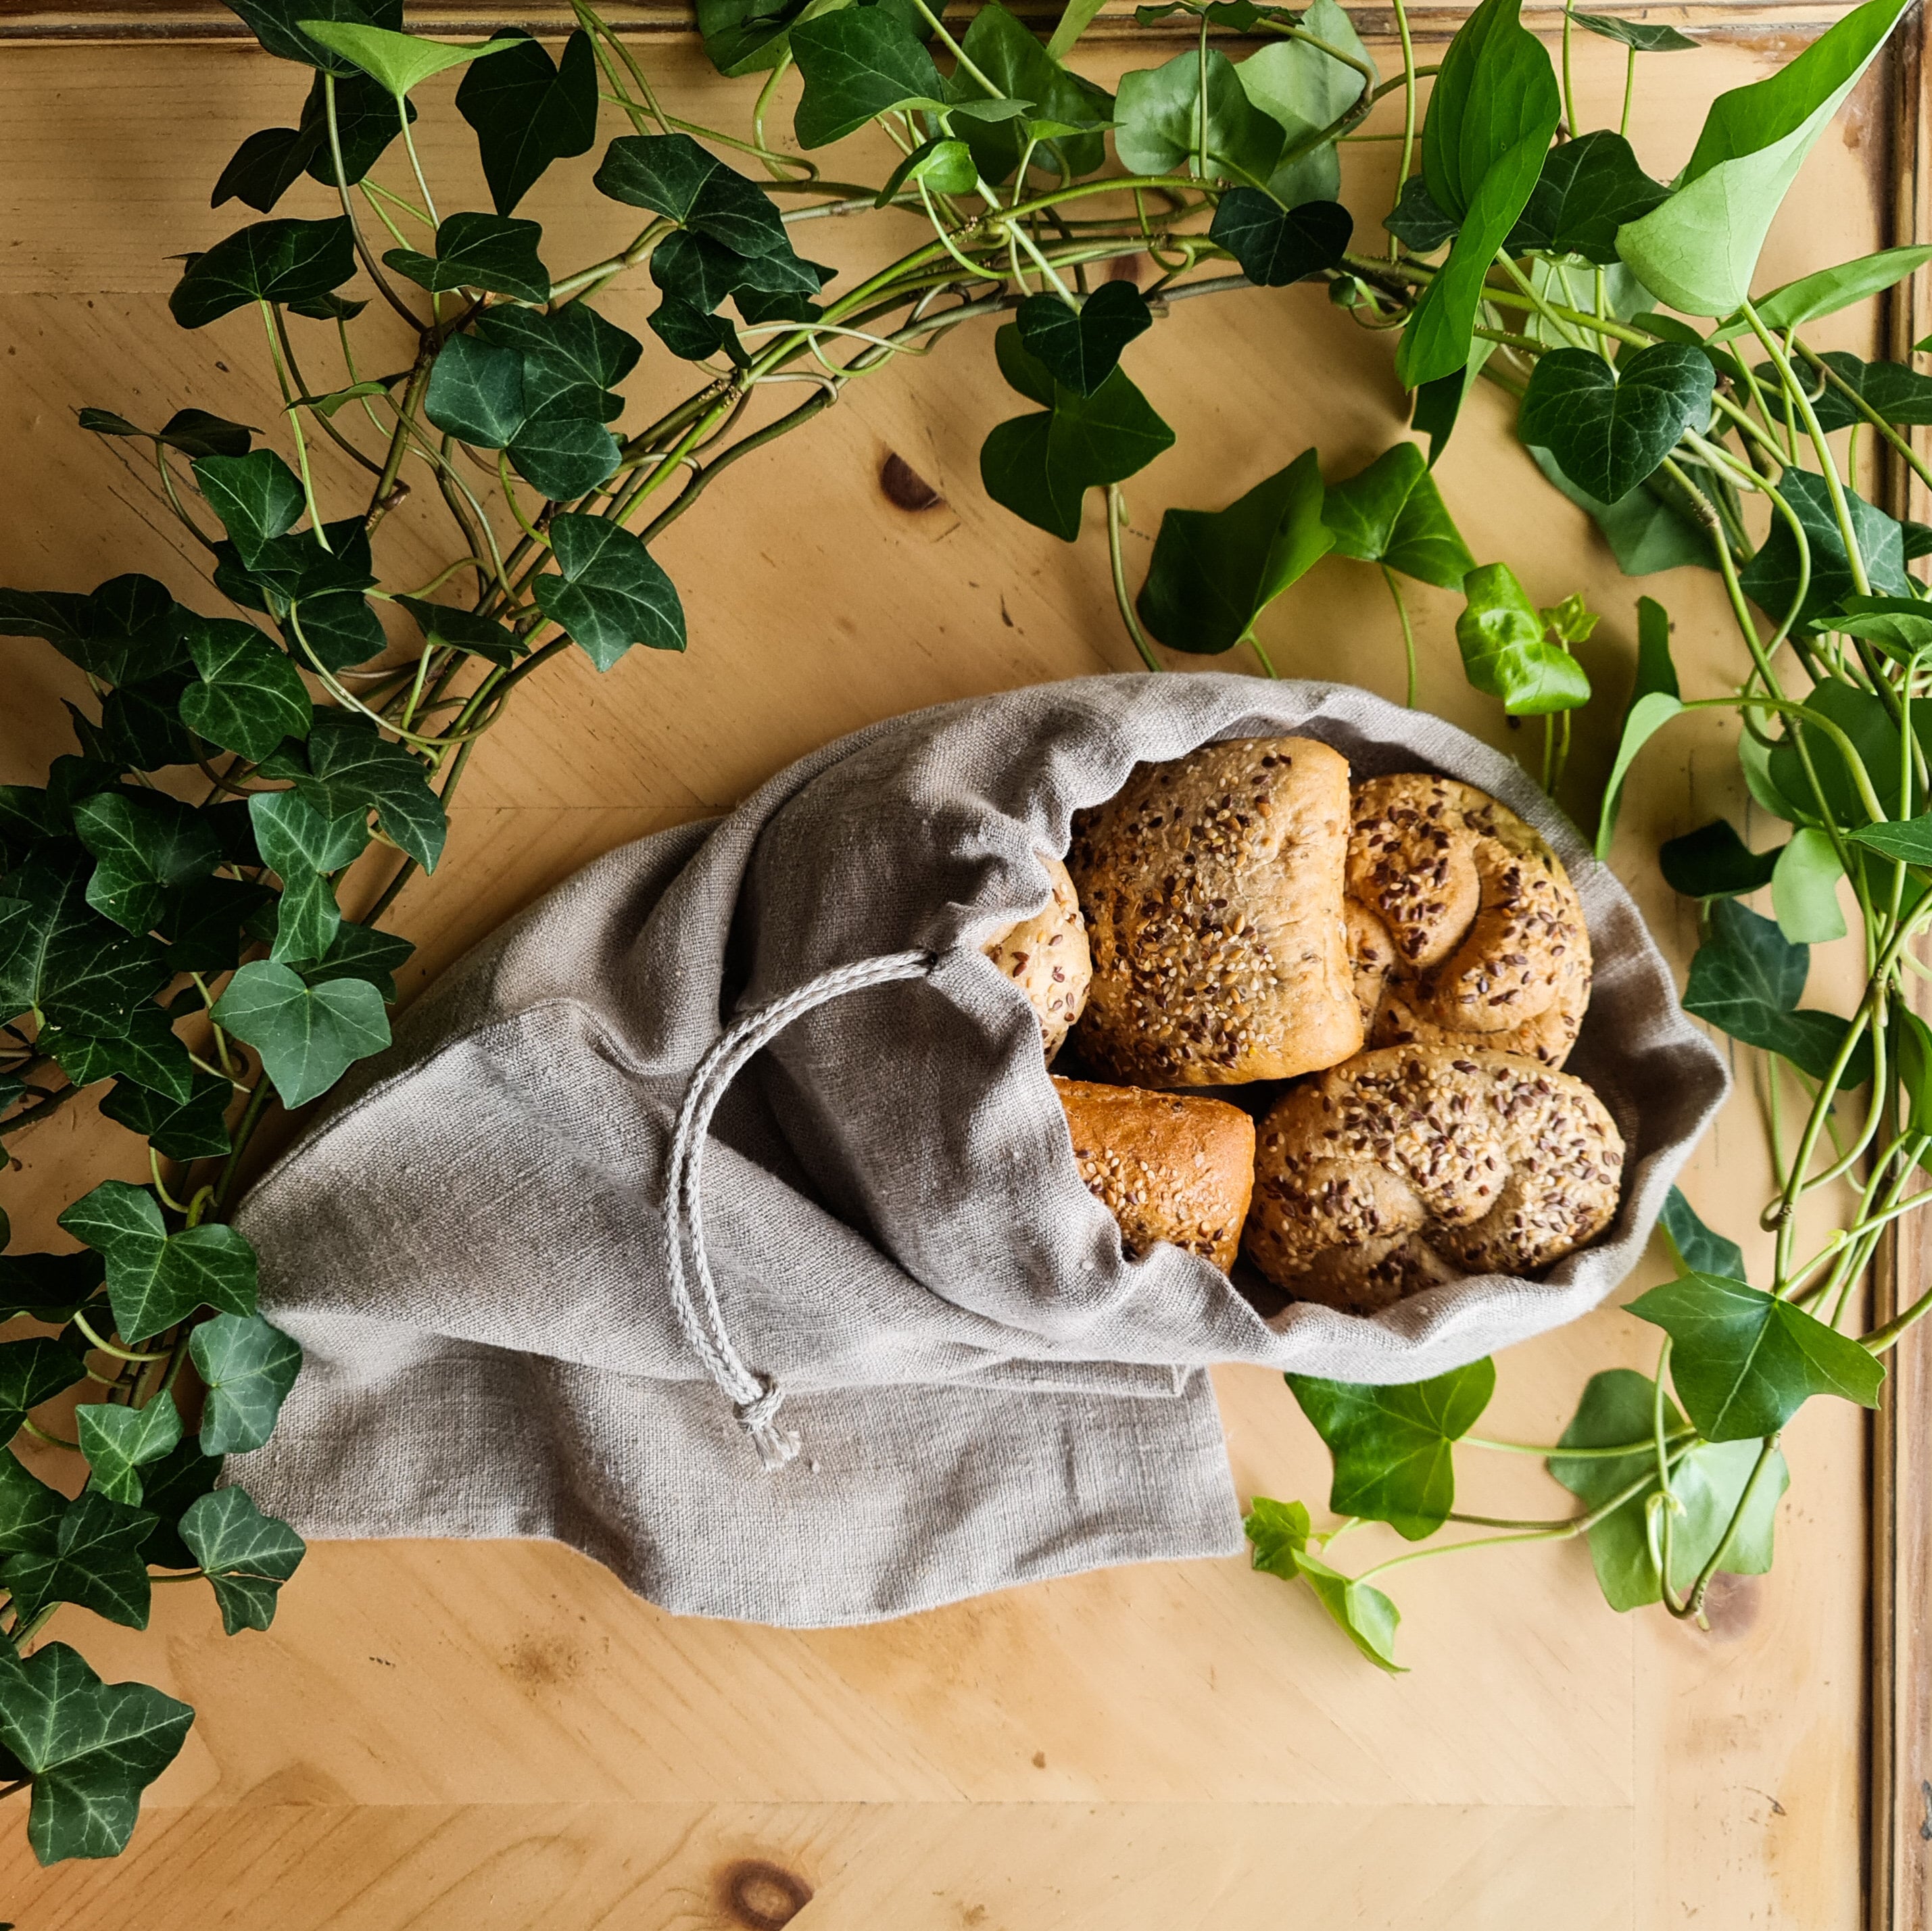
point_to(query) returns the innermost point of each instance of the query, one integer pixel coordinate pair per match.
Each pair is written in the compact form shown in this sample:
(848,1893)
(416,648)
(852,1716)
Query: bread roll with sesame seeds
(1409,1166)
(1212,886)
(1046,957)
(1486,943)
(1167,1167)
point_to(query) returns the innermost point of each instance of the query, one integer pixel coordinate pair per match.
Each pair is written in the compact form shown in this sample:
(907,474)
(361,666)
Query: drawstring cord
(755,1398)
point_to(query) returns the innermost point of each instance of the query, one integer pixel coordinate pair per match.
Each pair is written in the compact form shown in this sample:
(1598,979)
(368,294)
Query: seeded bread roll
(1464,928)
(1212,886)
(1046,957)
(1415,1165)
(1168,1167)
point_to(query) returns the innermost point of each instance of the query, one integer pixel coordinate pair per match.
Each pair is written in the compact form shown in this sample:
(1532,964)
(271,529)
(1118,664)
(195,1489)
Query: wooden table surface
(488,1737)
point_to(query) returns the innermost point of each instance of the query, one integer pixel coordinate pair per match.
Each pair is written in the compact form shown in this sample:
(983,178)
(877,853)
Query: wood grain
(497,1737)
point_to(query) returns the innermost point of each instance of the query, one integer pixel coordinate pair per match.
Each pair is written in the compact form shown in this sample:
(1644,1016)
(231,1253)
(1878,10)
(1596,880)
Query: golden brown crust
(1407,1165)
(1046,957)
(1212,886)
(1490,940)
(1167,1167)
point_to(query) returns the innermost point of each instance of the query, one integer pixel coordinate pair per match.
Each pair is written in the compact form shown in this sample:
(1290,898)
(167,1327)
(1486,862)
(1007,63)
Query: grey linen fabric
(468,1243)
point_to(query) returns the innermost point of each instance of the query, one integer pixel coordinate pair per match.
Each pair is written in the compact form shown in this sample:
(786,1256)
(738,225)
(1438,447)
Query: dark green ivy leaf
(270,261)
(1744,1362)
(257,497)
(1214,571)
(31,1372)
(1416,222)
(1698,1250)
(30,1511)
(1275,245)
(1005,50)
(475,392)
(203,922)
(1081,348)
(1645,36)
(123,632)
(249,1367)
(308,1036)
(195,1129)
(118,1441)
(246,1555)
(347,765)
(1588,188)
(140,727)
(250,696)
(463,630)
(95,1561)
(154,1277)
(528,111)
(1393,1447)
(1900,395)
(303,846)
(360,951)
(670,175)
(59,955)
(1609,428)
(1714,862)
(1747,979)
(144,844)
(149,1054)
(493,252)
(90,1747)
(170,1488)
(857,62)
(1770,578)
(609,592)
(276,24)
(48,1286)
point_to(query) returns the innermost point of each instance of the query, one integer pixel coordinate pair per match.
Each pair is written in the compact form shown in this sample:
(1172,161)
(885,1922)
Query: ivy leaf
(30,1511)
(203,922)
(1588,188)
(670,175)
(610,593)
(58,955)
(1698,250)
(143,846)
(1771,578)
(32,1372)
(397,62)
(95,1561)
(1805,889)
(194,1129)
(1306,91)
(1505,653)
(1646,38)
(360,951)
(1416,222)
(270,261)
(118,1441)
(1747,978)
(528,111)
(1005,50)
(154,1277)
(140,726)
(1714,862)
(947,167)
(149,1053)
(1909,839)
(1040,467)
(48,1286)
(1654,702)
(475,392)
(1698,1250)
(462,630)
(1279,1533)
(1275,245)
(1157,124)
(1900,395)
(170,1486)
(349,765)
(1744,1362)
(746,36)
(246,1556)
(480,251)
(302,846)
(122,632)
(1866,724)
(1496,91)
(249,1367)
(194,432)
(1828,290)
(1618,1406)
(273,23)
(250,697)
(257,497)
(565,456)
(572,360)
(1394,1447)
(856,63)
(1214,572)
(91,1748)
(308,1036)
(1081,348)
(1392,513)
(1609,428)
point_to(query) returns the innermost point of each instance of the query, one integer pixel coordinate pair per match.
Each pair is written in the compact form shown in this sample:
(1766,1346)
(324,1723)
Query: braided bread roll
(1212,886)
(1463,926)
(1410,1166)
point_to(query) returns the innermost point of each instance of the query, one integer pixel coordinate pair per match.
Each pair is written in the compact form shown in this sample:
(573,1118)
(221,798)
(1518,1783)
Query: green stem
(1408,632)
(293,413)
(1115,506)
